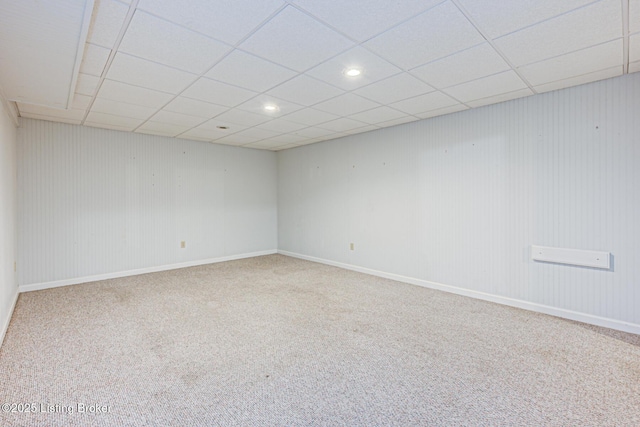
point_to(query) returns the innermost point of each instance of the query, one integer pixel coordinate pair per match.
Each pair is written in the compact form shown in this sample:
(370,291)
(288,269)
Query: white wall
(457,200)
(96,202)
(8,219)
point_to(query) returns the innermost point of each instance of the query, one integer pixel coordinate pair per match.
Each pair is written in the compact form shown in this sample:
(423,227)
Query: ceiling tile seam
(112,54)
(570,52)
(625,36)
(232,48)
(493,45)
(546,19)
(322,22)
(84,33)
(311,15)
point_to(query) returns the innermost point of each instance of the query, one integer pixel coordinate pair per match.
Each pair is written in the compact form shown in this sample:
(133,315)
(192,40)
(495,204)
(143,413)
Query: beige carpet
(276,341)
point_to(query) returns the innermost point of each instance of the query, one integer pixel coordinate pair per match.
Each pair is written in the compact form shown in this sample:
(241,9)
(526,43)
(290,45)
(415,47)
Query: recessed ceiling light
(352,72)
(223,127)
(271,108)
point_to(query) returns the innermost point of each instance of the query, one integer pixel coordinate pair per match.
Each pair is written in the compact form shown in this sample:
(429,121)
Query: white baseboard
(7,319)
(539,308)
(96,278)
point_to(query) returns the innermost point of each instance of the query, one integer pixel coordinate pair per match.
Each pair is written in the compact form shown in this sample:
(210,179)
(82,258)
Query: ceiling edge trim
(84,33)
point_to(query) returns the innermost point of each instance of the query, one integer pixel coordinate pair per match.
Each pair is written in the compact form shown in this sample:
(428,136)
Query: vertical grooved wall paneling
(459,199)
(96,201)
(8,218)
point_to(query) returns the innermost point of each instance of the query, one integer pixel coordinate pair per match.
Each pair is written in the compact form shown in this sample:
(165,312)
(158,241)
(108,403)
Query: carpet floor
(278,341)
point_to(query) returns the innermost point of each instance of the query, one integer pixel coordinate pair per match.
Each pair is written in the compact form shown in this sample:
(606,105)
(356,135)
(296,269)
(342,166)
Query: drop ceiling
(205,70)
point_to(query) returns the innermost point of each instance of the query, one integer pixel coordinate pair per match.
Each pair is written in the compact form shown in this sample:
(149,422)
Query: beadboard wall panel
(459,199)
(96,201)
(8,219)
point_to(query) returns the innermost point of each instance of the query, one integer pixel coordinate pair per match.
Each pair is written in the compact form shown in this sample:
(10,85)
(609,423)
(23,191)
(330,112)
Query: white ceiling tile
(586,78)
(282,126)
(373,68)
(94,59)
(310,117)
(72,114)
(313,132)
(634,16)
(218,93)
(243,117)
(295,40)
(157,40)
(248,71)
(118,91)
(422,103)
(215,123)
(591,25)
(106,22)
(396,88)
(256,105)
(443,111)
(362,19)
(500,98)
(499,17)
(86,84)
(118,108)
(38,50)
(258,134)
(395,122)
(178,119)
(305,90)
(266,145)
(163,129)
(235,140)
(434,34)
(470,64)
(225,20)
(194,107)
(584,61)
(347,104)
(203,134)
(362,129)
(634,48)
(281,140)
(123,123)
(507,81)
(81,102)
(634,67)
(286,147)
(193,138)
(342,124)
(140,72)
(377,115)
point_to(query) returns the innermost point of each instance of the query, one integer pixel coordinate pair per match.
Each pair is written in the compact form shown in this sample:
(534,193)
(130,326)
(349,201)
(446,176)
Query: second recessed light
(352,72)
(270,108)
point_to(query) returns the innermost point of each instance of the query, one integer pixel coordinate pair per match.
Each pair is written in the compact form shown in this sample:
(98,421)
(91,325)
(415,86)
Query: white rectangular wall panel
(580,257)
(96,201)
(460,199)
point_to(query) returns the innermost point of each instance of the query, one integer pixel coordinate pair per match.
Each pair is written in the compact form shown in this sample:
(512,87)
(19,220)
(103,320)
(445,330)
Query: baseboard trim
(7,319)
(96,278)
(512,302)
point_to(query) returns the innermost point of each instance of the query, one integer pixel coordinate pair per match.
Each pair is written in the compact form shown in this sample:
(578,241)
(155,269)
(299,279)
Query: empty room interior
(319,213)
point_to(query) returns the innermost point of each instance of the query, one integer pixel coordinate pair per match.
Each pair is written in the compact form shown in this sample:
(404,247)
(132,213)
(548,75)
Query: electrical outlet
(351,246)
(183,244)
